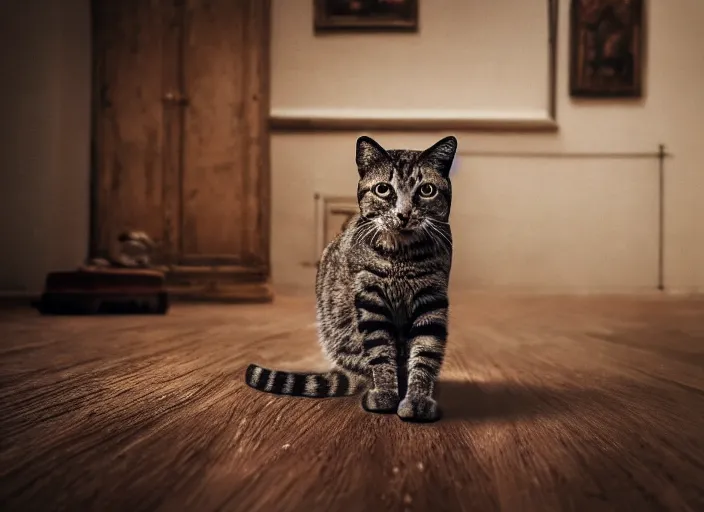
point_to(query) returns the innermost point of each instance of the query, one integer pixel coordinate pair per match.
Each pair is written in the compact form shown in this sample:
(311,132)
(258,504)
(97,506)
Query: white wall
(530,224)
(458,61)
(533,224)
(44,139)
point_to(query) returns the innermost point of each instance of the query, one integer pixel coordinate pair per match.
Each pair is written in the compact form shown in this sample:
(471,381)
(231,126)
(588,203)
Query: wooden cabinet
(180,139)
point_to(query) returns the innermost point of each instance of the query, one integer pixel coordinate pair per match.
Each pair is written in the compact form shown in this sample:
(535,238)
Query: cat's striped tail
(312,385)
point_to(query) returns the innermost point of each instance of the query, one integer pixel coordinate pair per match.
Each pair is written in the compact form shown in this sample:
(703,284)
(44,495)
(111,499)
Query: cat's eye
(427,190)
(382,190)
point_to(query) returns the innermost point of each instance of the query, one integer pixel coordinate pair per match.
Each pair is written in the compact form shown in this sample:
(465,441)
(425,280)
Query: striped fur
(320,385)
(381,287)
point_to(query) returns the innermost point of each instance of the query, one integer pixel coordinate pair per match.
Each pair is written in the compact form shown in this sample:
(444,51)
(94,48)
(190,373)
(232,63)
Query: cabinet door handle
(175,98)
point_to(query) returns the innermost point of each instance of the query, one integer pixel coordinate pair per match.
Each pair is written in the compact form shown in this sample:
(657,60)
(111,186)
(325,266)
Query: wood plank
(255,239)
(551,404)
(216,142)
(128,140)
(173,100)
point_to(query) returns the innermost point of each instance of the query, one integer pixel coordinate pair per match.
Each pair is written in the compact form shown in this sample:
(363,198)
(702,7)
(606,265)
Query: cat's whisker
(364,232)
(442,242)
(438,222)
(429,235)
(361,233)
(374,233)
(431,238)
(439,231)
(432,230)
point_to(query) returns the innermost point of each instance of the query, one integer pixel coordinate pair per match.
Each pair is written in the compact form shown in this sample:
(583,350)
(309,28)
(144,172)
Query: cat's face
(403,191)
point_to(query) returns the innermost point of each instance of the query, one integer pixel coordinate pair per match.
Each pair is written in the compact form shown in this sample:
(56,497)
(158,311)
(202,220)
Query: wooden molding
(313,123)
(240,293)
(217,290)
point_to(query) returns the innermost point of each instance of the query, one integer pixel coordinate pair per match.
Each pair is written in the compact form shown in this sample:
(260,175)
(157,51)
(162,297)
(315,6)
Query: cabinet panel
(128,120)
(215,143)
(256,170)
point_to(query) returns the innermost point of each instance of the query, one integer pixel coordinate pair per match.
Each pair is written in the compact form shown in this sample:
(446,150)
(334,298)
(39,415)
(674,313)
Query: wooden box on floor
(95,290)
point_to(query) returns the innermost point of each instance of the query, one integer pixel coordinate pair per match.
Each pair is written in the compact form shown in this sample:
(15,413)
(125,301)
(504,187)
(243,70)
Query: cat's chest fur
(398,293)
(400,281)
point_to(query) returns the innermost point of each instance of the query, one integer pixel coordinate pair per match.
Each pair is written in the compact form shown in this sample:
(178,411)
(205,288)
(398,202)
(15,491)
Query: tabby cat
(381,288)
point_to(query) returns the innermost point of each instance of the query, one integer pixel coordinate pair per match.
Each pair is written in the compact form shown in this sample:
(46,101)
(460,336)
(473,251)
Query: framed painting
(606,48)
(366,15)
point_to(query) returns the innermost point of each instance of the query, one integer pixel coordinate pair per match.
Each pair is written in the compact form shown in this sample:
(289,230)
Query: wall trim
(637,292)
(18,294)
(458,290)
(311,121)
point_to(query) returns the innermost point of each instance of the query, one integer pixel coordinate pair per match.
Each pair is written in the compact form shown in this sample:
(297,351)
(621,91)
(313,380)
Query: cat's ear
(441,154)
(369,154)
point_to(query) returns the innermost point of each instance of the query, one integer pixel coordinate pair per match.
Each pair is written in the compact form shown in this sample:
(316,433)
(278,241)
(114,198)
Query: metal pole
(564,155)
(661,217)
(317,222)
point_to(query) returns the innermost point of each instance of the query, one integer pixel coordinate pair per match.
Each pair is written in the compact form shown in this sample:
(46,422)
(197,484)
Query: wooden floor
(550,404)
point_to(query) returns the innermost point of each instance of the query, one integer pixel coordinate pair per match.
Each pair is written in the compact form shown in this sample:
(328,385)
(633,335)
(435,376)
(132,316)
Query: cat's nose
(403,217)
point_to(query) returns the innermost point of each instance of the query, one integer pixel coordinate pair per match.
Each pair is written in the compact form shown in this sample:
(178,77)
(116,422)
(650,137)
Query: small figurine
(135,251)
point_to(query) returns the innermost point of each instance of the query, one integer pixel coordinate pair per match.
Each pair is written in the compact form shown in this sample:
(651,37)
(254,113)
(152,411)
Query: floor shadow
(503,400)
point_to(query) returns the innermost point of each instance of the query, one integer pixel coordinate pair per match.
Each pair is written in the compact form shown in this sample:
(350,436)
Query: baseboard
(225,292)
(291,289)
(685,291)
(233,293)
(13,299)
(18,294)
(580,292)
(265,293)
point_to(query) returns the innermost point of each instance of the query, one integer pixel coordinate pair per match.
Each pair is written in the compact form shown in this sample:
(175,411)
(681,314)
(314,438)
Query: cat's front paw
(380,401)
(419,408)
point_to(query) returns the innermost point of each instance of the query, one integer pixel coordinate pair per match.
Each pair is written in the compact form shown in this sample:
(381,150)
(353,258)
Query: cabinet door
(128,142)
(225,189)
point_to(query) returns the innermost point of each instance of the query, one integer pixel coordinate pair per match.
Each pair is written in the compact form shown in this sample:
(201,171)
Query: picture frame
(365,15)
(607,48)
